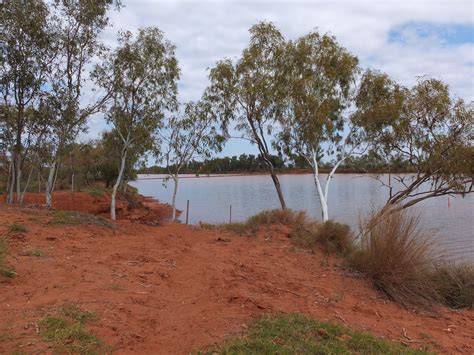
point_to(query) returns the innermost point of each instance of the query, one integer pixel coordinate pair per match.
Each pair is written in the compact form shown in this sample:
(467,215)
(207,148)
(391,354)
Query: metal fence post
(187,212)
(230,214)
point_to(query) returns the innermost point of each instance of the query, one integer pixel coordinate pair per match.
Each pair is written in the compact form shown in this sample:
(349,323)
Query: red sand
(173,289)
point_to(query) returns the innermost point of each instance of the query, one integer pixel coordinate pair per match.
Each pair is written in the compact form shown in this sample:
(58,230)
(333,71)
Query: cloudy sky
(405,38)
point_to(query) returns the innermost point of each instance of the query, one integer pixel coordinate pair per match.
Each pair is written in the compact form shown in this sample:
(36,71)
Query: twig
(284,290)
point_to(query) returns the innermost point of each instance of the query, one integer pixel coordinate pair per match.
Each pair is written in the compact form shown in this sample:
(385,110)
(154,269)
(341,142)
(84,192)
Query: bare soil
(175,289)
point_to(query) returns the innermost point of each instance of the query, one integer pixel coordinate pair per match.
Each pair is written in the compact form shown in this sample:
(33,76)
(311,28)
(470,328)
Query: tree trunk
(11,182)
(51,182)
(22,197)
(72,171)
(322,198)
(18,178)
(276,182)
(317,182)
(117,183)
(175,191)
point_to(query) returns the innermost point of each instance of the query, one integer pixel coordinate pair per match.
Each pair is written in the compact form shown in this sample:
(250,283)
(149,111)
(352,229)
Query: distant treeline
(249,163)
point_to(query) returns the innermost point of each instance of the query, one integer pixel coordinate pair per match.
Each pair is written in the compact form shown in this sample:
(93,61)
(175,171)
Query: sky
(404,38)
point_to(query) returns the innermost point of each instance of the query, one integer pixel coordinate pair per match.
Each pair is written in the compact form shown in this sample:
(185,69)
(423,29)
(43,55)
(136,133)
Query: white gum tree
(188,135)
(143,73)
(320,76)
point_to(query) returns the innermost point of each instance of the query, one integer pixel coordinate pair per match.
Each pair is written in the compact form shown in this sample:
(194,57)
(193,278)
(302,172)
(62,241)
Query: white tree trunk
(117,183)
(11,182)
(51,182)
(321,194)
(175,191)
(18,180)
(22,197)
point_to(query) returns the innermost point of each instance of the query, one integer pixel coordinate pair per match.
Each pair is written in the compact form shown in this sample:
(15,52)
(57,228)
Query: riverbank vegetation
(392,251)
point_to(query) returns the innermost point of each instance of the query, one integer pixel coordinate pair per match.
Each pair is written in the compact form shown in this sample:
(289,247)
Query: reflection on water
(350,197)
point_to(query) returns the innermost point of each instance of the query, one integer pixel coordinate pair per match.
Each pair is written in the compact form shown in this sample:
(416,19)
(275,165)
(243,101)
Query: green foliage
(298,334)
(96,191)
(17,228)
(250,92)
(330,236)
(319,78)
(423,126)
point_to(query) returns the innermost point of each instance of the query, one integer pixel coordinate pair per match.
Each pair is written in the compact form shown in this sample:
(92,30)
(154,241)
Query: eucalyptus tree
(320,76)
(187,136)
(76,27)
(24,62)
(250,92)
(142,73)
(426,127)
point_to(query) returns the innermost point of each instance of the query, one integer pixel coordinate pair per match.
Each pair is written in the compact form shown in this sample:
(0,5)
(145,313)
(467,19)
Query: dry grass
(251,225)
(72,217)
(396,255)
(454,284)
(331,237)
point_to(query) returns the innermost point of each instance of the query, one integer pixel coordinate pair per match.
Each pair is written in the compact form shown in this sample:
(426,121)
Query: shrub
(251,225)
(395,254)
(16,227)
(454,284)
(331,236)
(298,334)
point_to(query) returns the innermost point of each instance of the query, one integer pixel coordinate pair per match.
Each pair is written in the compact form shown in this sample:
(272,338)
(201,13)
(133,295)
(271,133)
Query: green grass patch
(66,330)
(72,218)
(74,312)
(17,228)
(34,252)
(96,191)
(298,334)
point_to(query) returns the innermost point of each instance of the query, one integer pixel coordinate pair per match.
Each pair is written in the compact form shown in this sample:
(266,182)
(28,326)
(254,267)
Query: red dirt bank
(176,289)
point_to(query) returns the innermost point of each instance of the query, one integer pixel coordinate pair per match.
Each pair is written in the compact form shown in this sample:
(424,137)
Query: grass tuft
(73,311)
(298,334)
(331,237)
(396,255)
(251,225)
(34,252)
(17,228)
(67,332)
(454,284)
(71,217)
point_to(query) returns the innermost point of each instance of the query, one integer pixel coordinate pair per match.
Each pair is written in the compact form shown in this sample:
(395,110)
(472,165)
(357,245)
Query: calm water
(350,197)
